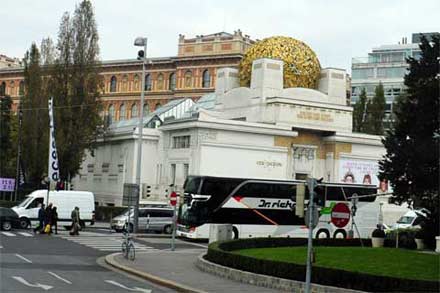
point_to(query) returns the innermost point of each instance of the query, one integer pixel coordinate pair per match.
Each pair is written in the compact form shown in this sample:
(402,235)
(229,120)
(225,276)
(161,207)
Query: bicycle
(127,246)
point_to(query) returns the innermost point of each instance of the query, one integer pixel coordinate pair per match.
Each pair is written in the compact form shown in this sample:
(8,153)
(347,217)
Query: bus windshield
(193,214)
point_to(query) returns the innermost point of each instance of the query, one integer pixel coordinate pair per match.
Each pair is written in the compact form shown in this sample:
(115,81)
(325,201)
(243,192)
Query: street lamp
(142,55)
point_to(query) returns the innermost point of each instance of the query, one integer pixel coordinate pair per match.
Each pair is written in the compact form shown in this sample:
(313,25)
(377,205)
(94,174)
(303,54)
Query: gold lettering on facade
(267,164)
(314,116)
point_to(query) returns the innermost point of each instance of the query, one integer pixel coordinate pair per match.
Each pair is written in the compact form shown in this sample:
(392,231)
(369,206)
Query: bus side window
(284,191)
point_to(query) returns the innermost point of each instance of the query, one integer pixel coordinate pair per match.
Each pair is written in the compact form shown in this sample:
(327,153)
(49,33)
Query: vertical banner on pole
(53,169)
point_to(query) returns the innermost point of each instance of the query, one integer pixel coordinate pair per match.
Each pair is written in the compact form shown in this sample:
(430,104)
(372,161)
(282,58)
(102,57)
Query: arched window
(113,84)
(148,82)
(122,112)
(158,105)
(206,82)
(111,112)
(12,88)
(146,109)
(3,89)
(160,81)
(134,110)
(21,88)
(124,82)
(188,79)
(172,82)
(136,82)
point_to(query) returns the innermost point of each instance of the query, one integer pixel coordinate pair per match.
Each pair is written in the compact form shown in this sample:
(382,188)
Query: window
(90,168)
(12,88)
(146,109)
(147,82)
(188,79)
(111,112)
(122,112)
(134,110)
(172,82)
(185,170)
(181,142)
(362,73)
(136,82)
(173,173)
(158,105)
(160,81)
(21,88)
(3,89)
(105,167)
(206,79)
(113,82)
(124,83)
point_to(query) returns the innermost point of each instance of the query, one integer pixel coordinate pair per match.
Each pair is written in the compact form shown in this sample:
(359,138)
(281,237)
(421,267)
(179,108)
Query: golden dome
(301,66)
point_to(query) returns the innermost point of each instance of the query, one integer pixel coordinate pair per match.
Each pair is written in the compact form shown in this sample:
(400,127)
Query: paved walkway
(179,268)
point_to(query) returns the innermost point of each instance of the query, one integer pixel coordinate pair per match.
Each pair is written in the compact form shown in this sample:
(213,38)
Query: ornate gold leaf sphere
(301,66)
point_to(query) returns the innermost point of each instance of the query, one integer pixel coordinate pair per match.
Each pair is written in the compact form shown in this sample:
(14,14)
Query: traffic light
(299,200)
(59,185)
(141,55)
(319,193)
(148,191)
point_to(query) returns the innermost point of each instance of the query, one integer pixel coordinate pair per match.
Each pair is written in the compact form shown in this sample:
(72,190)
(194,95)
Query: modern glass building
(386,64)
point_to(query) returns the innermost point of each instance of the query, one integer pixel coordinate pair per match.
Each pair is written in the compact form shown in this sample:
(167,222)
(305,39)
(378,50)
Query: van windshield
(25,202)
(405,220)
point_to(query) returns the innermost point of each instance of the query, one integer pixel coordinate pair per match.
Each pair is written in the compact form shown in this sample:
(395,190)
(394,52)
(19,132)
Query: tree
(35,119)
(76,87)
(411,163)
(359,112)
(376,112)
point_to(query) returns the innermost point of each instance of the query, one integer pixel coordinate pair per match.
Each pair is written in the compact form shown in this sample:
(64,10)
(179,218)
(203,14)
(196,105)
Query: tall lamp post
(142,55)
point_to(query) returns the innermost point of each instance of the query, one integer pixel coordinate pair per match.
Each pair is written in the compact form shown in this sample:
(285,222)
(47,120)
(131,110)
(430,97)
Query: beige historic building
(190,74)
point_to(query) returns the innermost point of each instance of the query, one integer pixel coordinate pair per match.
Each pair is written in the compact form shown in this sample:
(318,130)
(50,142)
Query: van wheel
(167,229)
(235,233)
(24,223)
(6,225)
(322,233)
(340,233)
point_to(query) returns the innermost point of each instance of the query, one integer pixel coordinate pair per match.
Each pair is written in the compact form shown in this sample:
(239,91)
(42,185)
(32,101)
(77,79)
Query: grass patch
(389,262)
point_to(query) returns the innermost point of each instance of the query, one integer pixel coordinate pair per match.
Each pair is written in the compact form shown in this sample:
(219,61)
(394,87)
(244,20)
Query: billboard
(358,171)
(7,184)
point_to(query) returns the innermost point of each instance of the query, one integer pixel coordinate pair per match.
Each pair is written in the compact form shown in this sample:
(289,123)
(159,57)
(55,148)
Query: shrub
(220,253)
(378,233)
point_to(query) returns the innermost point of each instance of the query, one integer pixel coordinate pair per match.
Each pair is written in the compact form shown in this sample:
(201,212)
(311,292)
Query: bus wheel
(322,233)
(340,233)
(234,233)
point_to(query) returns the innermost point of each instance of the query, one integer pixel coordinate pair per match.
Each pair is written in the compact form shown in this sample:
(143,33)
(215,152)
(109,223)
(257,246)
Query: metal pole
(140,129)
(17,177)
(311,185)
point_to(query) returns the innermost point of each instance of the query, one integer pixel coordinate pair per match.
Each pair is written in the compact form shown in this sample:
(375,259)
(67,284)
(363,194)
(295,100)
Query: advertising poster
(358,171)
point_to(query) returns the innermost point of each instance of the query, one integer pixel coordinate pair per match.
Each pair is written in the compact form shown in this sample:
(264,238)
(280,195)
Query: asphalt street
(64,263)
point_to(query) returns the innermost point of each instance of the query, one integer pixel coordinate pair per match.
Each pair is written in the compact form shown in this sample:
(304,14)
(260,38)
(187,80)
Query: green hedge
(220,253)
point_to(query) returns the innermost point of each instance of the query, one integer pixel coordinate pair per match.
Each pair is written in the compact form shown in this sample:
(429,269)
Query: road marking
(195,244)
(23,258)
(8,234)
(36,285)
(126,288)
(26,234)
(60,278)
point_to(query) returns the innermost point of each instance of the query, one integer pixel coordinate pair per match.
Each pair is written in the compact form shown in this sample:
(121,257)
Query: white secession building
(261,131)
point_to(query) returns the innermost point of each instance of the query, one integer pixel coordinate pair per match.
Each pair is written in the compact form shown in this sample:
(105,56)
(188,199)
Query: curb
(263,280)
(110,260)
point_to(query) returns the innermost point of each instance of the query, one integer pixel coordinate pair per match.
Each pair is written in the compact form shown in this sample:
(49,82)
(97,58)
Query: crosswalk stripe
(26,234)
(8,234)
(105,243)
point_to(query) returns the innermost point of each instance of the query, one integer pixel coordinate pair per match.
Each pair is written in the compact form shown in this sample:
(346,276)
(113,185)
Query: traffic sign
(173,198)
(340,215)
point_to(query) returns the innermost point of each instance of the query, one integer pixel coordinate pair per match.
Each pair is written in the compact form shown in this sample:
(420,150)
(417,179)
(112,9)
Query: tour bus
(260,208)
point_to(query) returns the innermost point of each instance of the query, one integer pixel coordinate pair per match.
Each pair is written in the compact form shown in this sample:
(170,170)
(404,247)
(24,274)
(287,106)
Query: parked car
(412,219)
(150,219)
(8,219)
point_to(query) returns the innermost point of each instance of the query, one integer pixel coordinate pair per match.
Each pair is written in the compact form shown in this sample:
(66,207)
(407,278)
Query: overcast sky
(335,30)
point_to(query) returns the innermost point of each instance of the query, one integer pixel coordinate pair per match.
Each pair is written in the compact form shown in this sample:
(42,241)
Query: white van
(64,200)
(412,219)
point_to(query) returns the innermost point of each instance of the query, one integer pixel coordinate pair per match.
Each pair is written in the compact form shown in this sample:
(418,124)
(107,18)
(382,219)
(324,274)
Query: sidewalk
(177,270)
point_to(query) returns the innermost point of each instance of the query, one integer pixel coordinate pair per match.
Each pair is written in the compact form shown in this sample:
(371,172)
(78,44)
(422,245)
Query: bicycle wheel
(124,248)
(131,253)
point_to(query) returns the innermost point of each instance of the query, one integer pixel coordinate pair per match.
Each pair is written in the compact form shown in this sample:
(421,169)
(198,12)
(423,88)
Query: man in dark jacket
(41,216)
(48,218)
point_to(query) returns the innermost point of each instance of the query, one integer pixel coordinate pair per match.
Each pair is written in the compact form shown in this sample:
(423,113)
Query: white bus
(259,208)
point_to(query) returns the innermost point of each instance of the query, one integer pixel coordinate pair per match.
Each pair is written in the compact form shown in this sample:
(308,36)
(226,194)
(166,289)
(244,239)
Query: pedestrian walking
(75,221)
(41,215)
(48,219)
(55,219)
